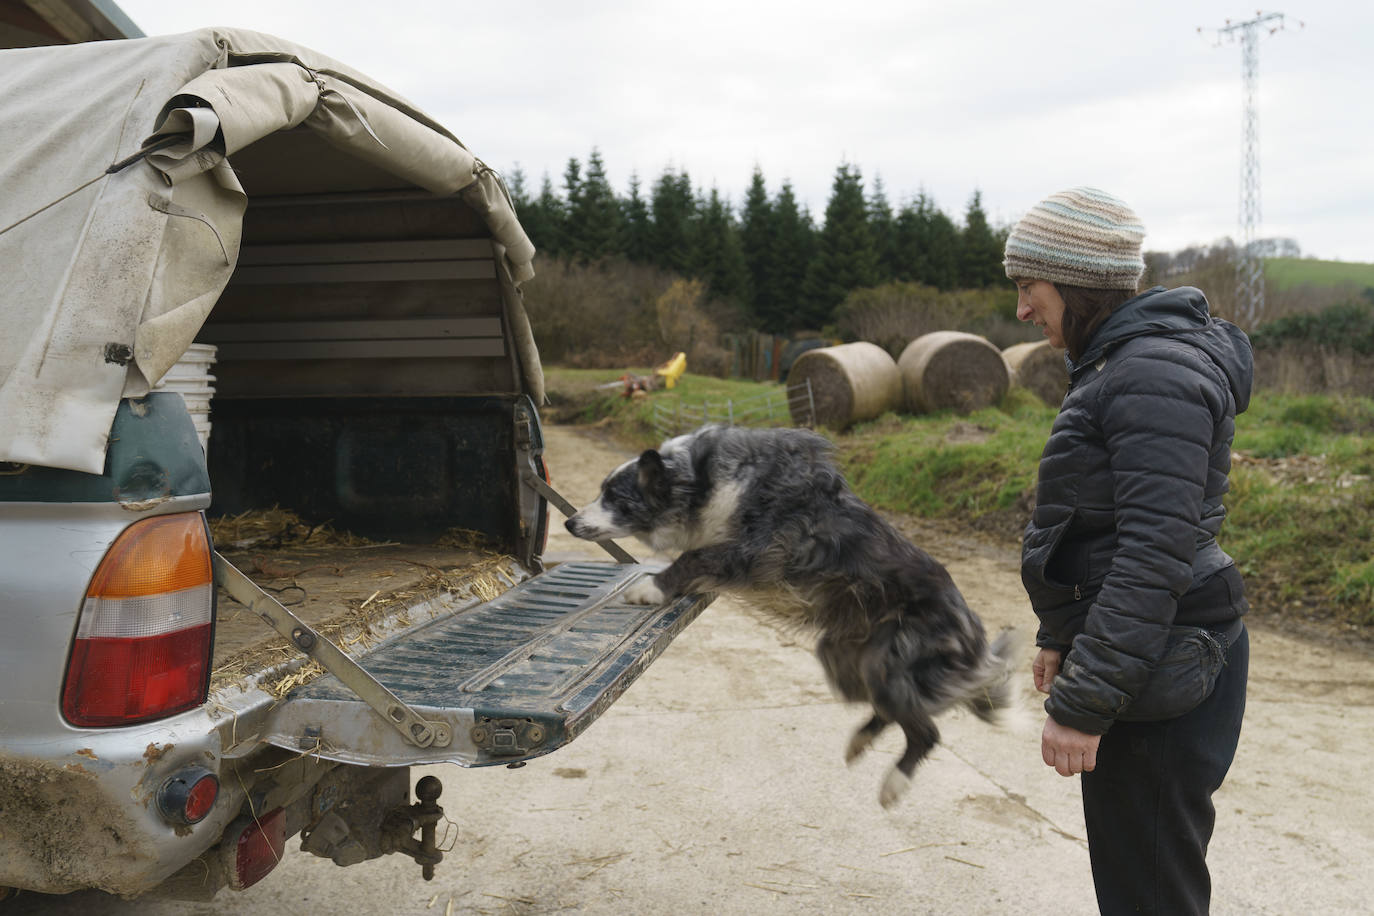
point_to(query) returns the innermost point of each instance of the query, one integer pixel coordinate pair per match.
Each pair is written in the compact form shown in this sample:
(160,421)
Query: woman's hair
(1084,310)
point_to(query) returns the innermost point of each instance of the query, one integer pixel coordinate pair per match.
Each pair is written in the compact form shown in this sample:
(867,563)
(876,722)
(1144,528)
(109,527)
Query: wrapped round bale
(849,383)
(951,369)
(1040,369)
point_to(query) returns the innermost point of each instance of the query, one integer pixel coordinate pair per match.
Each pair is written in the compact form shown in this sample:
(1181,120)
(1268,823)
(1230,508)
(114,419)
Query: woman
(1142,650)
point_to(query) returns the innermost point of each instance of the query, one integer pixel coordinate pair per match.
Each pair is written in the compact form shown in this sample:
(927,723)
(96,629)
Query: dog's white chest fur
(714,524)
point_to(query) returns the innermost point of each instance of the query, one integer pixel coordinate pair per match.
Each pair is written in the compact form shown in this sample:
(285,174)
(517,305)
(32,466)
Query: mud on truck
(186,686)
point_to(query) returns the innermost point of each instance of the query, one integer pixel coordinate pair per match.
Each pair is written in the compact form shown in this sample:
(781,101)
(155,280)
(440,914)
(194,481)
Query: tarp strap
(115,167)
(325,90)
(166,206)
(159,143)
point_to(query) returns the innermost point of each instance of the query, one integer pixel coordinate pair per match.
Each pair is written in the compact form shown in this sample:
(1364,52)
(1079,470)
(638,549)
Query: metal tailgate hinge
(413,727)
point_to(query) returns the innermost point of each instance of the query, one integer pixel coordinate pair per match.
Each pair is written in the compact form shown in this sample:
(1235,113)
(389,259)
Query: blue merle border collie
(766,514)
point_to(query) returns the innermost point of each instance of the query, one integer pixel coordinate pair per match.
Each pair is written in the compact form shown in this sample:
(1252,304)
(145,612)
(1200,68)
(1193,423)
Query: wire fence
(794,405)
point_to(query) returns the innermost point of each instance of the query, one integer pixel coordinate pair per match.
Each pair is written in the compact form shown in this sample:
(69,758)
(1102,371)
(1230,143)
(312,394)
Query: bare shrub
(1305,298)
(1306,368)
(684,325)
(614,314)
(597,315)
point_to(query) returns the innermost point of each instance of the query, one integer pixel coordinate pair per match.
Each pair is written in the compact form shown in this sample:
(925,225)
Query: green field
(1286,273)
(1301,508)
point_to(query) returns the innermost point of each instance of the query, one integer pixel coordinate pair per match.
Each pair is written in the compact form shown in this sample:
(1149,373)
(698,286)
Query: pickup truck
(210,651)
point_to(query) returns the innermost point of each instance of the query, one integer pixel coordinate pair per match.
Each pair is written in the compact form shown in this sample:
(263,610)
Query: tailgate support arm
(540,486)
(413,727)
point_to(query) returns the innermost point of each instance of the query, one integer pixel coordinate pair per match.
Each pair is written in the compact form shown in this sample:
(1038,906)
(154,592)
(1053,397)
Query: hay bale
(1040,369)
(849,383)
(952,370)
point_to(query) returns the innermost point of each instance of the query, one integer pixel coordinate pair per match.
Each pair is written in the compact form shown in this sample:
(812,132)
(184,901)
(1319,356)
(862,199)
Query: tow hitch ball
(398,830)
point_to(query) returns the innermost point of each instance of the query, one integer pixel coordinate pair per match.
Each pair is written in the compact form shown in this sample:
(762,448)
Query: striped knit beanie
(1078,237)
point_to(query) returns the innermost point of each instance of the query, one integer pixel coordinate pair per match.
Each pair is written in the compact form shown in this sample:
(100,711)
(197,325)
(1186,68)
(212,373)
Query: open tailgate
(512,679)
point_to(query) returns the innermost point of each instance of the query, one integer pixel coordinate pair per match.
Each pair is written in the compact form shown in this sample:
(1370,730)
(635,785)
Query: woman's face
(1040,302)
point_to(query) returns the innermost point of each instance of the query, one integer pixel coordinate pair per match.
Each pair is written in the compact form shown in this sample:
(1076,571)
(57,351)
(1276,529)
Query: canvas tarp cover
(109,272)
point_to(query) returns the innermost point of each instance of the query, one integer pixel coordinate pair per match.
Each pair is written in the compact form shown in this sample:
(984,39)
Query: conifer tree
(794,245)
(884,229)
(638,238)
(943,252)
(572,185)
(980,252)
(673,208)
(845,257)
(517,185)
(927,244)
(718,255)
(757,237)
(913,240)
(542,219)
(594,226)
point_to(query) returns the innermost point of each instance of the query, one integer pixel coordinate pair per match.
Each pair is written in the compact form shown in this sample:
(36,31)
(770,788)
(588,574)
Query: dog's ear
(653,476)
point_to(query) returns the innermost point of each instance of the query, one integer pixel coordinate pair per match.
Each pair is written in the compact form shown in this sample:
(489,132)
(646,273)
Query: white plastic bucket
(191,379)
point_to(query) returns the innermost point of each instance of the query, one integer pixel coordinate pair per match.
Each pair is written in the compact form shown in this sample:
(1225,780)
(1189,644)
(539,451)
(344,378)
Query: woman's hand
(1045,667)
(1068,750)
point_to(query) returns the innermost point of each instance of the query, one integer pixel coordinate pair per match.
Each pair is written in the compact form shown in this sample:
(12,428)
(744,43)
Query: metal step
(515,678)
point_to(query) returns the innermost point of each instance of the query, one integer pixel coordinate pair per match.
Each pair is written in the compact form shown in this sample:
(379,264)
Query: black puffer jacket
(1122,542)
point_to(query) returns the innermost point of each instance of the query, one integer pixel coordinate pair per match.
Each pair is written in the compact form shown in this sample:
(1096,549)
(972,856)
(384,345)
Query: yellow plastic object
(672,370)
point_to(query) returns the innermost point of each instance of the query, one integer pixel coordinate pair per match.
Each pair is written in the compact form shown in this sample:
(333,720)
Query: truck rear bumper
(79,810)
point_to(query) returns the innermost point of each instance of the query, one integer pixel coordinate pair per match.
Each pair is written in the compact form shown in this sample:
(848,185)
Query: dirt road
(716,785)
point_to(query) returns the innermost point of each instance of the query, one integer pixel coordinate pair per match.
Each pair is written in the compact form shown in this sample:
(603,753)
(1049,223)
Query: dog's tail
(997,693)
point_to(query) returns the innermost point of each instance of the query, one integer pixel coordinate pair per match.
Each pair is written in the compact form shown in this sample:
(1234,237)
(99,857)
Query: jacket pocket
(1185,676)
(1067,565)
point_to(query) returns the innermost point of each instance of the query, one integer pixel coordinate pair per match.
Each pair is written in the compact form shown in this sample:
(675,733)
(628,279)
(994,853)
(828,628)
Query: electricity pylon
(1249,259)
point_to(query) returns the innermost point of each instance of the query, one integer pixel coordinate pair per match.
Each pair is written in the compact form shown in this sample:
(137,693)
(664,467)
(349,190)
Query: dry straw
(278,527)
(357,629)
(1038,368)
(952,370)
(849,383)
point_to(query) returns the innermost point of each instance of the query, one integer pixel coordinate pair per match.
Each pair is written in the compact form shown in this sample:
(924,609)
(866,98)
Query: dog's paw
(644,591)
(858,743)
(894,787)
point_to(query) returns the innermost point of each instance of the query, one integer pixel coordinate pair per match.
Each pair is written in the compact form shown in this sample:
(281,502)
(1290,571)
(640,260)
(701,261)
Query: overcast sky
(1013,99)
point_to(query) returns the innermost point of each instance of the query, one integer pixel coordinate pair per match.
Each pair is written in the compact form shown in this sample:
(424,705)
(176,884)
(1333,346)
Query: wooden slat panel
(362,349)
(327,218)
(358,301)
(342,378)
(356,252)
(355,273)
(401,329)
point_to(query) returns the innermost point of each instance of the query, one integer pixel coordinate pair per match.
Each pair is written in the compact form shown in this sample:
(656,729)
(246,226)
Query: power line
(1249,259)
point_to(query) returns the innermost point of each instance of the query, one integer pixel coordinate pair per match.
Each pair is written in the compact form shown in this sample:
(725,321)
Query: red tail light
(258,848)
(142,648)
(187,796)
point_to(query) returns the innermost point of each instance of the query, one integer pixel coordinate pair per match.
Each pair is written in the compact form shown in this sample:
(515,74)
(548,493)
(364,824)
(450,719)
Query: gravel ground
(716,785)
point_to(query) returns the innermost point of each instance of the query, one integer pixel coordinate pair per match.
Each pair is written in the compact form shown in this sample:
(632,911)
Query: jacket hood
(1182,314)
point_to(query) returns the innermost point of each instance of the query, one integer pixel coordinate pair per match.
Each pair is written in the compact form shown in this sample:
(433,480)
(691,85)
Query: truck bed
(344,591)
(505,663)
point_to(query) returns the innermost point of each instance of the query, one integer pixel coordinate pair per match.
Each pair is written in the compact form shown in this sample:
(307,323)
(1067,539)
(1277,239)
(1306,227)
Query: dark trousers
(1148,805)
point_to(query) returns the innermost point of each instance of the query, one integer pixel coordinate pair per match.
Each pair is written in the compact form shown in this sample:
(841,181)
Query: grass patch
(1300,514)
(580,396)
(977,469)
(1286,273)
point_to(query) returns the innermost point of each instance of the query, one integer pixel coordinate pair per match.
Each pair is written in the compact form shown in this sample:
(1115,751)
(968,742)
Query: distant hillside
(1286,273)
